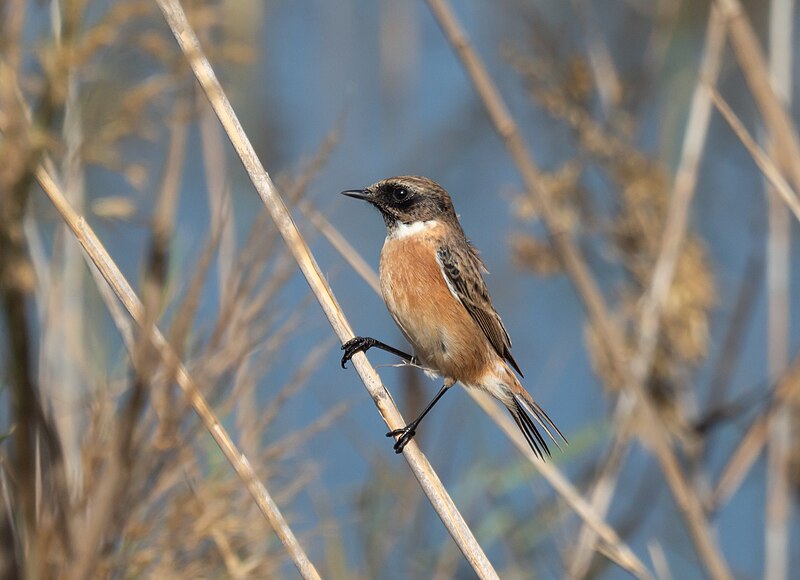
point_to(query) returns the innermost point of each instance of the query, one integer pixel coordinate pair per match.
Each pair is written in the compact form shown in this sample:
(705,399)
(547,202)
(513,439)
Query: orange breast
(445,337)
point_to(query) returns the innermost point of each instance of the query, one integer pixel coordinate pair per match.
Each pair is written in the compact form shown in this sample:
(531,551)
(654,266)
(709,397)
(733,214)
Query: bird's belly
(444,336)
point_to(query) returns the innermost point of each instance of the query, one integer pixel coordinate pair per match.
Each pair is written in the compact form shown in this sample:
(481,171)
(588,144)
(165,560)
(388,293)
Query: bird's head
(408,199)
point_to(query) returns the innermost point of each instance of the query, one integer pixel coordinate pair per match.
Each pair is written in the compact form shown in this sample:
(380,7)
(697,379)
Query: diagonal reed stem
(113,276)
(428,480)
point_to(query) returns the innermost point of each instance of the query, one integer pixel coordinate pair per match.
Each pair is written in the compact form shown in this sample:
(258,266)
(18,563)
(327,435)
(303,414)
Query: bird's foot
(406,434)
(354,345)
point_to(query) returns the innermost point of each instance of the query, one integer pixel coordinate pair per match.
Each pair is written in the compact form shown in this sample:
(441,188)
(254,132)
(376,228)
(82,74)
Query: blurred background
(106,471)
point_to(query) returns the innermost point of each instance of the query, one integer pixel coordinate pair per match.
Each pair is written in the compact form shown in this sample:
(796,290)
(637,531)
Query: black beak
(358,194)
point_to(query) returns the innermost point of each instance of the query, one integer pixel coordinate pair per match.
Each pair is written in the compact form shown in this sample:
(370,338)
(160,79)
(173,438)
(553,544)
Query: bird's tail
(527,414)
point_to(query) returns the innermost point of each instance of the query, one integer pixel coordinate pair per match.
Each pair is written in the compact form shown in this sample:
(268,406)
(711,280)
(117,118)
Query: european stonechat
(432,284)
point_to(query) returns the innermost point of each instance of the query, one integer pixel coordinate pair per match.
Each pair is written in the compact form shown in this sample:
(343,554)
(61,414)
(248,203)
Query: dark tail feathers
(522,410)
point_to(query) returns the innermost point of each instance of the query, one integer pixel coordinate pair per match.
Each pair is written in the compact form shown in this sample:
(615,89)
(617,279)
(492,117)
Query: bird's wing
(462,267)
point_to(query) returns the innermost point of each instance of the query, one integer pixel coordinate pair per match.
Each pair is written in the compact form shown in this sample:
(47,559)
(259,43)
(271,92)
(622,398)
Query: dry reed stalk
(251,420)
(158,258)
(786,145)
(297,438)
(656,435)
(113,480)
(292,386)
(659,559)
(606,78)
(743,311)
(761,159)
(603,489)
(104,263)
(618,550)
(674,233)
(243,276)
(680,200)
(36,458)
(779,503)
(615,548)
(754,66)
(340,243)
(429,481)
(531,175)
(666,17)
(61,368)
(748,450)
(219,195)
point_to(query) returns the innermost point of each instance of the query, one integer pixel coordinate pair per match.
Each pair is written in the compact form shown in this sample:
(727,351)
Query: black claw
(406,434)
(354,345)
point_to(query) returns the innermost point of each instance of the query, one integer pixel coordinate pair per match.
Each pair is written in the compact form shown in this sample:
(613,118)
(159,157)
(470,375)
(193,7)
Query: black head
(408,199)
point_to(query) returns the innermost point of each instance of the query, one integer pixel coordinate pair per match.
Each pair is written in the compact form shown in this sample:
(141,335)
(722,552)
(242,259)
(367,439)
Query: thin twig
(745,455)
(429,481)
(659,560)
(219,198)
(603,490)
(159,257)
(606,78)
(743,311)
(338,241)
(754,66)
(762,160)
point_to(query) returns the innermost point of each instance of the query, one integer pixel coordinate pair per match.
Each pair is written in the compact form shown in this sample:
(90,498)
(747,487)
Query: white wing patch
(446,279)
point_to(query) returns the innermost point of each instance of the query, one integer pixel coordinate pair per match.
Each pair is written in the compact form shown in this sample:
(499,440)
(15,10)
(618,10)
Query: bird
(431,279)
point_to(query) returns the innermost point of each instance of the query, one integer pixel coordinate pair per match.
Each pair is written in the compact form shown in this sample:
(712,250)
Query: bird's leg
(364,343)
(407,433)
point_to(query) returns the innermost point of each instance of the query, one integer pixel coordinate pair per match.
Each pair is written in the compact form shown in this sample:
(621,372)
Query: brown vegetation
(106,464)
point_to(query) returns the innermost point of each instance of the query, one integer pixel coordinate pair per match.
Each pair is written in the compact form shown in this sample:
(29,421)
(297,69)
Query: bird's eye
(400,194)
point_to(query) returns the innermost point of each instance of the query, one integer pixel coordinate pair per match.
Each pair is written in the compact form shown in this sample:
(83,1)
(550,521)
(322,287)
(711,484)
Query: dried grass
(105,466)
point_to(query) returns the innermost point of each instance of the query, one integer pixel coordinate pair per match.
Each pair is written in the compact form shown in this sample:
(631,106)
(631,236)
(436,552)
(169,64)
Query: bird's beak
(364,194)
